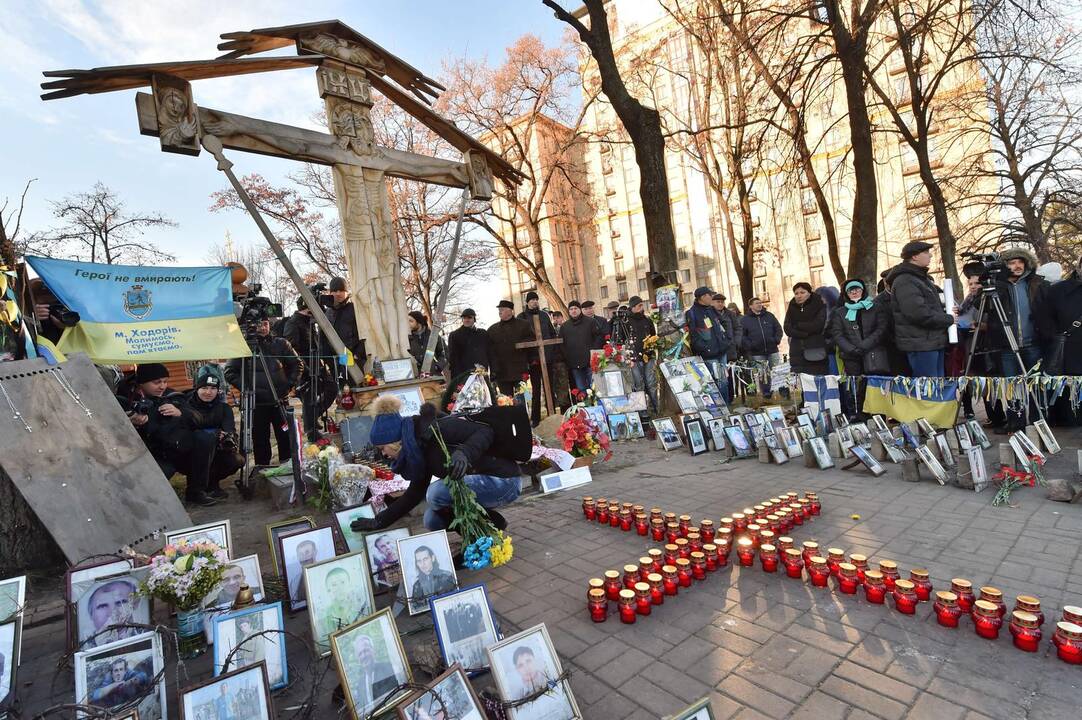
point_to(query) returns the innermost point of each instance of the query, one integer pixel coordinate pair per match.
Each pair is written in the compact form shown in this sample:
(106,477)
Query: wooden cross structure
(348,67)
(540,343)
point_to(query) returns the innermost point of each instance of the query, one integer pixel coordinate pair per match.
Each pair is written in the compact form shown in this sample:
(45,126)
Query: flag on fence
(906,399)
(820,394)
(135,314)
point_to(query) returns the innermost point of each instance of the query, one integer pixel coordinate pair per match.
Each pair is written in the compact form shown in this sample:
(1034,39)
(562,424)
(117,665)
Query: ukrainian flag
(906,399)
(136,314)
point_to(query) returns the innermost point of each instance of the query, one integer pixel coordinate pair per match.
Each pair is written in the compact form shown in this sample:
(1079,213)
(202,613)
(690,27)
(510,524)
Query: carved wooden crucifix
(540,344)
(349,66)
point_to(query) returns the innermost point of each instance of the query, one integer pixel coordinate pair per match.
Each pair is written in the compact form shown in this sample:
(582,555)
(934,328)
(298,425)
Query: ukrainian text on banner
(136,314)
(906,399)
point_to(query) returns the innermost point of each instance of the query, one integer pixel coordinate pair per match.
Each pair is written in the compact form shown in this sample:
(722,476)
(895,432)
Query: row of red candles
(688,557)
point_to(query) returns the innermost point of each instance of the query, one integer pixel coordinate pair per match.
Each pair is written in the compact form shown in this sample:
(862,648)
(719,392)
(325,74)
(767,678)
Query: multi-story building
(786,223)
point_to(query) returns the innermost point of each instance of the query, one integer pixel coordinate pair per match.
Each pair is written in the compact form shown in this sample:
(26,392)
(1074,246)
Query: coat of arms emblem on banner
(137,302)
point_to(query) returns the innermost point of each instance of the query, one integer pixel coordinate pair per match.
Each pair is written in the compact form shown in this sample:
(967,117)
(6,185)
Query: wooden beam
(239,132)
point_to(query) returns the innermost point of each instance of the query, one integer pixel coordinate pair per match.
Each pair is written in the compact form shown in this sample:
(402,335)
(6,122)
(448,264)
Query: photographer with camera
(340,311)
(276,376)
(214,432)
(920,321)
(316,389)
(155,410)
(52,316)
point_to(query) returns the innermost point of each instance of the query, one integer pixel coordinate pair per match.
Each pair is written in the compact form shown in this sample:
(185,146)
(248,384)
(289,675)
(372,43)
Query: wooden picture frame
(343,648)
(87,635)
(256,673)
(79,575)
(454,674)
(354,561)
(252,576)
(488,633)
(284,527)
(387,575)
(861,453)
(213,532)
(275,642)
(320,535)
(635,430)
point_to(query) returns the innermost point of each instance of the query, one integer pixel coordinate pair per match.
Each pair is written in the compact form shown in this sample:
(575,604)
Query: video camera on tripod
(986,267)
(252,309)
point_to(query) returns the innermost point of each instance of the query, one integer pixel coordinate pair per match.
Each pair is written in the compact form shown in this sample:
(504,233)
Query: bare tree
(643,126)
(96,228)
(11,225)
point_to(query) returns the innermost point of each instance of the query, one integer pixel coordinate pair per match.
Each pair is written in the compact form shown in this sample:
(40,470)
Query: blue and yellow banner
(906,399)
(136,314)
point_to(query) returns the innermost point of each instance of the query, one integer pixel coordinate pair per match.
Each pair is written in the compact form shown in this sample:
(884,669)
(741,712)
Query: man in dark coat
(601,323)
(509,363)
(344,319)
(762,335)
(734,328)
(1062,309)
(708,339)
(580,334)
(211,420)
(644,371)
(920,322)
(467,347)
(318,394)
(282,371)
(548,332)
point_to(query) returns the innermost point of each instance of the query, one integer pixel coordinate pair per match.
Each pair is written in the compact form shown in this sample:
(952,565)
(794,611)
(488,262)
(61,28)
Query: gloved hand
(459,465)
(364,525)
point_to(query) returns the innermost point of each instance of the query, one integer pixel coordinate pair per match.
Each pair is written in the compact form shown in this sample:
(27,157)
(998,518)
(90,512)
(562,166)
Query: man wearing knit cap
(344,319)
(509,363)
(707,336)
(920,320)
(580,334)
(548,332)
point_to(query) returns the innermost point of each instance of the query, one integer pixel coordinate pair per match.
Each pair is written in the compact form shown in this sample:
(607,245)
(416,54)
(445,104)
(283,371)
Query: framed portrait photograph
(10,637)
(861,453)
(411,398)
(371,663)
(1048,438)
(977,468)
(776,414)
(215,532)
(879,422)
(120,675)
(861,435)
(612,382)
(792,441)
(240,571)
(76,581)
(1029,446)
(696,436)
(700,710)
(597,416)
(234,629)
(634,426)
(666,433)
(451,698)
(943,447)
(243,694)
(618,427)
(399,369)
(821,453)
(777,452)
(717,433)
(840,420)
(894,447)
(525,663)
(339,593)
(106,602)
(925,427)
(634,401)
(353,540)
(12,597)
(976,432)
(427,568)
(686,401)
(299,550)
(464,627)
(382,553)
(932,463)
(741,445)
(277,530)
(961,431)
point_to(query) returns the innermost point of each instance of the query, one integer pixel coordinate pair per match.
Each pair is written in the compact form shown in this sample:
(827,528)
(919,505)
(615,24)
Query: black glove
(364,525)
(459,465)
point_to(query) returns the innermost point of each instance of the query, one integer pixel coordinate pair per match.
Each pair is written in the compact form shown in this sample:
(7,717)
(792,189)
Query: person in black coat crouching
(858,328)
(214,432)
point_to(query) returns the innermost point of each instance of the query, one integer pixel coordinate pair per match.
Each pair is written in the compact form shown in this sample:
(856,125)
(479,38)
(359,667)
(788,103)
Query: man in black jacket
(318,394)
(601,323)
(920,321)
(734,327)
(344,320)
(644,371)
(467,347)
(211,422)
(708,338)
(761,335)
(509,363)
(548,332)
(580,334)
(271,391)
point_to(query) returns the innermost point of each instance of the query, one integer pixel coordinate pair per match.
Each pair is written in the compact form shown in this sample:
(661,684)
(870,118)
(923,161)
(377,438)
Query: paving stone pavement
(758,645)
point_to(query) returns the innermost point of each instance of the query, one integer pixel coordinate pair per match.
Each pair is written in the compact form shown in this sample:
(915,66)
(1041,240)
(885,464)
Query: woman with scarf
(412,445)
(805,324)
(858,328)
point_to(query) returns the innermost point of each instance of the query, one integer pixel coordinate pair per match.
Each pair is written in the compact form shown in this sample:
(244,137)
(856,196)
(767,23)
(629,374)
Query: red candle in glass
(723,535)
(646,566)
(753,535)
(875,591)
(796,514)
(740,522)
(670,580)
(657,558)
(818,572)
(612,585)
(684,525)
(785,520)
(671,553)
(657,530)
(1068,642)
(847,578)
(745,552)
(672,532)
(698,565)
(602,503)
(766,537)
(599,605)
(816,506)
(629,506)
(1072,614)
(631,576)
(805,508)
(889,568)
(774,523)
(726,524)
(627,606)
(642,525)
(636,509)
(784,543)
(905,597)
(706,529)
(643,601)
(811,549)
(994,596)
(695,542)
(625,520)
(723,552)
(669,517)
(655,514)
(1026,631)
(964,590)
(614,515)
(835,557)
(860,562)
(1030,604)
(946,608)
(603,514)
(710,550)
(589,509)
(986,619)
(768,557)
(657,588)
(594,584)
(683,572)
(921,583)
(683,548)
(794,562)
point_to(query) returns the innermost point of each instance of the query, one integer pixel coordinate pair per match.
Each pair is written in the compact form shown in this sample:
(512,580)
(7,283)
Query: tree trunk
(948,244)
(7,248)
(864,238)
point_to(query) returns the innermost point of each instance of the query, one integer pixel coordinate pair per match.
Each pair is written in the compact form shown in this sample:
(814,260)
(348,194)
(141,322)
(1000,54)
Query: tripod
(990,295)
(316,401)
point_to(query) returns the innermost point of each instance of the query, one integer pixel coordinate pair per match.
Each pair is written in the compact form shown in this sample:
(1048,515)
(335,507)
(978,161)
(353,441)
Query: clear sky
(70,144)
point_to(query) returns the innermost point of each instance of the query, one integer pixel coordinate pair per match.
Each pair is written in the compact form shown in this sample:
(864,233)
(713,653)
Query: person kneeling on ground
(411,444)
(214,430)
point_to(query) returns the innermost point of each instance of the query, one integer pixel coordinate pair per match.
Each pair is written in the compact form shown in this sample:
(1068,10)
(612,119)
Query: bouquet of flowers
(472,395)
(321,460)
(609,354)
(523,386)
(484,544)
(185,573)
(649,347)
(350,482)
(584,399)
(582,437)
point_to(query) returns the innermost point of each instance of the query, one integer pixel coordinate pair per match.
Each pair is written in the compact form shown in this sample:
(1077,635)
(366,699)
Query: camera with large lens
(143,406)
(63,315)
(324,298)
(253,310)
(986,267)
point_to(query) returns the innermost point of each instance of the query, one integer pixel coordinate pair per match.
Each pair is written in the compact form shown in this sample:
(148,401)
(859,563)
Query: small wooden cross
(540,345)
